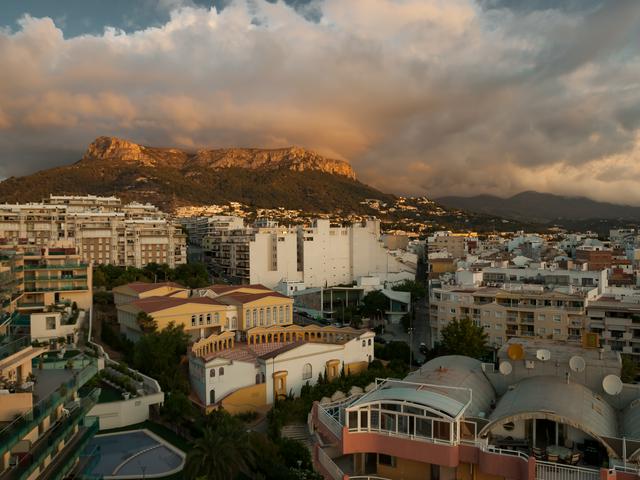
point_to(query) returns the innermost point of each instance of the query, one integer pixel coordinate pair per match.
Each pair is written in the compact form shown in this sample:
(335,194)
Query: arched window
(255,317)
(217,317)
(193,320)
(221,371)
(212,373)
(212,396)
(262,316)
(234,323)
(247,319)
(208,319)
(268,316)
(369,342)
(307,371)
(286,316)
(364,343)
(201,319)
(281,314)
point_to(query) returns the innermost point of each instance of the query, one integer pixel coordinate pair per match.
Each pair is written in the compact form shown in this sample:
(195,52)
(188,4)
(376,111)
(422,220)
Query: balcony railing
(16,430)
(49,442)
(90,426)
(329,465)
(554,471)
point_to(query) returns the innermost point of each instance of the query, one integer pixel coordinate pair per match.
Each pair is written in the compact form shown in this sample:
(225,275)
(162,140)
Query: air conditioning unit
(529,364)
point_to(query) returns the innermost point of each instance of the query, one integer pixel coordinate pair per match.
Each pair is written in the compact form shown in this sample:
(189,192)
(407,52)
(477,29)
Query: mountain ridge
(169,177)
(542,207)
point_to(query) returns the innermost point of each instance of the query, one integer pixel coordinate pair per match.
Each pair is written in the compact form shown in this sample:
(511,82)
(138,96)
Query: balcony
(47,444)
(16,430)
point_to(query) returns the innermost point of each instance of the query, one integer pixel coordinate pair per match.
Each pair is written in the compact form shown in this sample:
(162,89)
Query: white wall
(273,257)
(237,374)
(125,412)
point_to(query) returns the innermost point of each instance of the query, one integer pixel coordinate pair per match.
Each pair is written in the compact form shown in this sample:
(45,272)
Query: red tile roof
(243,352)
(156,304)
(141,287)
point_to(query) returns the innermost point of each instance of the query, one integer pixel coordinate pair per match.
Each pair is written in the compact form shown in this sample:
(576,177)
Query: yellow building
(208,311)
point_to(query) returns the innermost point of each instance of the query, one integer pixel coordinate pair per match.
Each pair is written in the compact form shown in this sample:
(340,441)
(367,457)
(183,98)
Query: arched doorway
(212,396)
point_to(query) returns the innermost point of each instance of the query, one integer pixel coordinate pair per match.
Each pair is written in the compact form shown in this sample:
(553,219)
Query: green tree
(463,337)
(158,354)
(416,289)
(374,304)
(222,452)
(146,322)
(629,369)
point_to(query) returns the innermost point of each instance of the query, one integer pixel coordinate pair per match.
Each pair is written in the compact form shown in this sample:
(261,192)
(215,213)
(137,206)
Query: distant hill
(542,207)
(290,177)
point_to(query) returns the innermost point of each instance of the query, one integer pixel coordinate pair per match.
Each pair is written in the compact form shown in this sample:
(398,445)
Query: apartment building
(43,414)
(103,230)
(457,245)
(504,313)
(551,411)
(317,255)
(615,318)
(199,228)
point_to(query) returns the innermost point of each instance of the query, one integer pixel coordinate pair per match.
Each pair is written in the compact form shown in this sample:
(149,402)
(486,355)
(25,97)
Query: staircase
(299,432)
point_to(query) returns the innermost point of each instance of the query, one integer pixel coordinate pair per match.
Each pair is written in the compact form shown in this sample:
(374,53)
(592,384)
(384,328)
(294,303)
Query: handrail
(330,422)
(329,465)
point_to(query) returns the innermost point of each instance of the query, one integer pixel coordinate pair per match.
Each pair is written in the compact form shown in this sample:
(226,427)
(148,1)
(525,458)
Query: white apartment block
(200,227)
(319,255)
(102,229)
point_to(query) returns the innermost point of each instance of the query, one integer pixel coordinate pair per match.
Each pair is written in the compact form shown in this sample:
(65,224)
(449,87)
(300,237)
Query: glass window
(51,323)
(281,314)
(212,373)
(208,319)
(268,316)
(262,316)
(193,320)
(201,319)
(217,317)
(287,317)
(307,371)
(221,371)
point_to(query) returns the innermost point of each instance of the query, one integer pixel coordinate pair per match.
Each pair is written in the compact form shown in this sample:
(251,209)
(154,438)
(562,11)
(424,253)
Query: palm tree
(222,452)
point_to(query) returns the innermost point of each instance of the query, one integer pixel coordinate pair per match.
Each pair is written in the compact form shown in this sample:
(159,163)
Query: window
(509,426)
(542,331)
(221,371)
(497,326)
(369,342)
(262,316)
(212,373)
(364,343)
(216,317)
(307,371)
(541,317)
(498,314)
(234,323)
(255,317)
(556,331)
(201,319)
(208,319)
(281,314)
(386,460)
(452,311)
(51,323)
(193,320)
(247,318)
(268,316)
(286,313)
(556,318)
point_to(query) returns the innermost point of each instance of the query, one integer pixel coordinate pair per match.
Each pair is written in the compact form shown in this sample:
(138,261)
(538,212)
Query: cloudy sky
(427,97)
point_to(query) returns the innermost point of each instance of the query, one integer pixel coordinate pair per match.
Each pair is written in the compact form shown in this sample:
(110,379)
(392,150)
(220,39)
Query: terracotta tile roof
(244,297)
(222,289)
(141,287)
(250,353)
(156,304)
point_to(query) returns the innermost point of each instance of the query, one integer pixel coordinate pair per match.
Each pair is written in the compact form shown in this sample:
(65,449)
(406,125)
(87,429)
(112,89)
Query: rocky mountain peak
(290,158)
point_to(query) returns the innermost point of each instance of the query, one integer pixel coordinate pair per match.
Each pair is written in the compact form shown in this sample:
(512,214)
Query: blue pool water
(127,454)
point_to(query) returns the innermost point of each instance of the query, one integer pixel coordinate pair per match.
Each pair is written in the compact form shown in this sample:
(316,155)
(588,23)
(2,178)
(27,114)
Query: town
(352,351)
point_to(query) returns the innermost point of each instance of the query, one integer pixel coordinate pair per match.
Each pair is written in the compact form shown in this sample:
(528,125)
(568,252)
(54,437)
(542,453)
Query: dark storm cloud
(435,97)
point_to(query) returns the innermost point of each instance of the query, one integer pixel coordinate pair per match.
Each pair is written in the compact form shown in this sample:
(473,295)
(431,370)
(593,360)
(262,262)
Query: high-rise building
(103,230)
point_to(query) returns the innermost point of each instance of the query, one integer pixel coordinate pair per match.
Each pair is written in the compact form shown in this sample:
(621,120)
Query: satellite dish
(612,384)
(505,368)
(543,354)
(577,363)
(515,352)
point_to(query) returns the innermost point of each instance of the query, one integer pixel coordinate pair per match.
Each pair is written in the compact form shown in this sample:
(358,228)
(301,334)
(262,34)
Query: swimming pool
(135,454)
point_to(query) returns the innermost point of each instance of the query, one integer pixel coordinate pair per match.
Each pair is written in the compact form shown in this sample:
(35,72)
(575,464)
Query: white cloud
(431,97)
